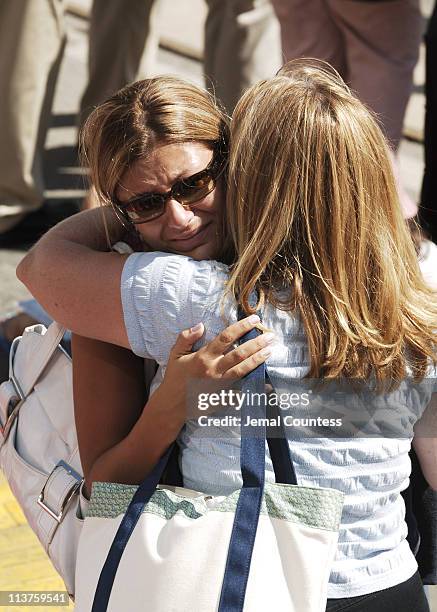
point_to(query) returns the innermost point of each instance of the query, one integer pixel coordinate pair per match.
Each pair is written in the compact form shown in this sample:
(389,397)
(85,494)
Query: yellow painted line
(24,565)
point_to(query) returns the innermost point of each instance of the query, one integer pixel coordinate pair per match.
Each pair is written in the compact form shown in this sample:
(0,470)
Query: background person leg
(242,46)
(382,48)
(308,30)
(32,41)
(121,41)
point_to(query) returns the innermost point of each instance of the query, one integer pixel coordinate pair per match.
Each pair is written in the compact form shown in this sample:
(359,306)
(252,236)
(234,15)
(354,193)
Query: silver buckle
(74,489)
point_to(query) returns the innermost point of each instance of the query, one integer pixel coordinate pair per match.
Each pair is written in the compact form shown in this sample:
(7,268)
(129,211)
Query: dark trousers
(428,210)
(408,596)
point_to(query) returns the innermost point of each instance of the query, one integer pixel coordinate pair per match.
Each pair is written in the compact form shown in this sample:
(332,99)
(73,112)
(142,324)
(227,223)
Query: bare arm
(109,395)
(78,283)
(129,444)
(425,442)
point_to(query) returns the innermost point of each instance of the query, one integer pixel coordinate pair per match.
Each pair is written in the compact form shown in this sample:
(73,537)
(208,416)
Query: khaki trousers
(373,45)
(242,45)
(32,41)
(122,43)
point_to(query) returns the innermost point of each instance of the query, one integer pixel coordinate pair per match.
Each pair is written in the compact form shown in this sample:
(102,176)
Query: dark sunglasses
(149,206)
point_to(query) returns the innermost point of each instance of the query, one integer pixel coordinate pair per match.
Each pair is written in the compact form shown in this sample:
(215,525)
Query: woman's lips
(192,240)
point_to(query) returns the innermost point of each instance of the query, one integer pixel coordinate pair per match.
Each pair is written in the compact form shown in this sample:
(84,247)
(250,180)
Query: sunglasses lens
(145,208)
(197,189)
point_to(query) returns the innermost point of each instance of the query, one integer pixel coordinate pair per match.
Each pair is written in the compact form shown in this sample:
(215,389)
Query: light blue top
(162,295)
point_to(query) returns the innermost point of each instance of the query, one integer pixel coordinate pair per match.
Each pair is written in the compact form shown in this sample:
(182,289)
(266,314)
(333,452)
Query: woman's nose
(176,215)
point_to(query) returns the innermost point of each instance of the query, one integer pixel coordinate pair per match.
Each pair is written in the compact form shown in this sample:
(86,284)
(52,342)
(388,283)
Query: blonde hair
(127,126)
(312,209)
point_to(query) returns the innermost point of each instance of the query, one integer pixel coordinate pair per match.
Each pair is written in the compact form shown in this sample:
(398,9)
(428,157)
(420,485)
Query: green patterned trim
(314,507)
(320,508)
(110,499)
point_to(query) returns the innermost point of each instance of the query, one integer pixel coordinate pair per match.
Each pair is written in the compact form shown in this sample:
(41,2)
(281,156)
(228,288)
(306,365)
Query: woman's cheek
(152,236)
(218,196)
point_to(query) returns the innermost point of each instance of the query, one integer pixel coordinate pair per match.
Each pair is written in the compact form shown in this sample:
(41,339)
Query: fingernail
(254,318)
(196,327)
(266,352)
(268,337)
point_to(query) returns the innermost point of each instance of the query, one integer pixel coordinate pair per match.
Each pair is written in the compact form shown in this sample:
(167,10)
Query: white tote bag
(265,546)
(38,444)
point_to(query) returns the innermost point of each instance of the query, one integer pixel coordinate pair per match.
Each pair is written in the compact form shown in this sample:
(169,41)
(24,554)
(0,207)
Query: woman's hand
(219,360)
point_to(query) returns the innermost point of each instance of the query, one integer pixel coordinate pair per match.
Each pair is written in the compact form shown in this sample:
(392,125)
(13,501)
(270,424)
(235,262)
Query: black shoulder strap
(278,447)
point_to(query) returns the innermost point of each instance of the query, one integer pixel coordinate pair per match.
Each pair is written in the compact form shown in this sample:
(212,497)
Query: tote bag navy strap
(278,447)
(252,461)
(124,532)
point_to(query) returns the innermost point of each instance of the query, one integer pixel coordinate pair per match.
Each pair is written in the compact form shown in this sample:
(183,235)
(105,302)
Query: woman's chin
(204,247)
(203,251)
(207,249)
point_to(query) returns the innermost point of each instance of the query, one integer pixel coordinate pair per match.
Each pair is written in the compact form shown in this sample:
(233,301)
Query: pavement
(23,563)
(24,566)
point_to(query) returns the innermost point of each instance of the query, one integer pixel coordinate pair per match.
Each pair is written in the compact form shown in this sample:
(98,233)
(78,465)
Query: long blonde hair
(312,208)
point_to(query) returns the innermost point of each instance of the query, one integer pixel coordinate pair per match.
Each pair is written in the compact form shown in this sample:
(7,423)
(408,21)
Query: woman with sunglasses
(320,242)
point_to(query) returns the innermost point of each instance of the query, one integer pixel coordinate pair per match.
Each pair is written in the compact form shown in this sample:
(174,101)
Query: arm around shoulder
(78,283)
